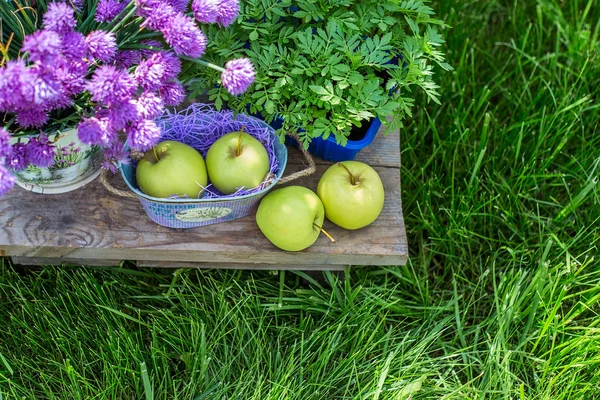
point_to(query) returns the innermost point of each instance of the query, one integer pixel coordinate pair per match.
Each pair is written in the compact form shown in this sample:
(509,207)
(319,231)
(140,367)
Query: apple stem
(349,173)
(325,232)
(239,149)
(155,153)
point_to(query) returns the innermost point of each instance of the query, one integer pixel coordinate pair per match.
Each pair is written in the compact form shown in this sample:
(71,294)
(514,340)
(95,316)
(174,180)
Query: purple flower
(179,5)
(43,46)
(128,58)
(170,61)
(110,85)
(77,4)
(32,117)
(63,101)
(150,74)
(46,88)
(150,105)
(18,159)
(71,76)
(206,11)
(156,12)
(5,147)
(120,114)
(95,131)
(114,154)
(7,181)
(74,47)
(60,18)
(40,151)
(147,53)
(102,45)
(238,75)
(143,134)
(108,10)
(228,12)
(172,93)
(15,85)
(184,36)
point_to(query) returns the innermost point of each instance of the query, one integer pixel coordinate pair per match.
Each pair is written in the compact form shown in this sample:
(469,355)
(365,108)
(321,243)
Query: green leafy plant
(327,67)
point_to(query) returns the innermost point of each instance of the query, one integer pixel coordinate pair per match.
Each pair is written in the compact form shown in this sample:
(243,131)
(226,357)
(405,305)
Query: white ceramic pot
(75,165)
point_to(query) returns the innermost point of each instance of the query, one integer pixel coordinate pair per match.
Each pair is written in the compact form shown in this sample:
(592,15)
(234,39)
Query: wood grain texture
(91,226)
(44,261)
(261,267)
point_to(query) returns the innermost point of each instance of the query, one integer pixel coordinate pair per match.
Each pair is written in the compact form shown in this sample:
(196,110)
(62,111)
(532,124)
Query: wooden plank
(261,267)
(62,261)
(384,151)
(90,225)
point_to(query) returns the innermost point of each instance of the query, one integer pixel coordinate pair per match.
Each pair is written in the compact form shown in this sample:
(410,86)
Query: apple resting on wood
(172,169)
(237,160)
(352,194)
(291,218)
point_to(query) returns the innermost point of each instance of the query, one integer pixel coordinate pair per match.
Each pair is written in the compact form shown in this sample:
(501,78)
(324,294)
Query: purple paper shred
(200,125)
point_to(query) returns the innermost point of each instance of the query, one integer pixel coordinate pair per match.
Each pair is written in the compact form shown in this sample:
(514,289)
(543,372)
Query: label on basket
(203,214)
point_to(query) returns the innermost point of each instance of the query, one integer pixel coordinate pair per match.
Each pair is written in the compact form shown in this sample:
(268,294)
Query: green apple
(172,169)
(352,194)
(291,218)
(237,160)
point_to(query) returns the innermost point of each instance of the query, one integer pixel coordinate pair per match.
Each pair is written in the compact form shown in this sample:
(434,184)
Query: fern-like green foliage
(325,66)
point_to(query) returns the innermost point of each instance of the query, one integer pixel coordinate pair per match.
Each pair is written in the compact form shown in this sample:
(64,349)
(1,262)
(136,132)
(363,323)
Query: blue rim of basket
(139,193)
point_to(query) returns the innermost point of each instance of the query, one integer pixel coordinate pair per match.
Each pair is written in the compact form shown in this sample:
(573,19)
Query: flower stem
(125,18)
(9,123)
(201,62)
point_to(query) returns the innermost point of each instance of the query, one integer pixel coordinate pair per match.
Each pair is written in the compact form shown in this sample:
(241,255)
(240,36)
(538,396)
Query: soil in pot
(359,132)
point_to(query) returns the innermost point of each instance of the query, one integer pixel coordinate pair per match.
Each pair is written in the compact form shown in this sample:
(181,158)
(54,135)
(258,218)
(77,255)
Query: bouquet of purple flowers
(105,67)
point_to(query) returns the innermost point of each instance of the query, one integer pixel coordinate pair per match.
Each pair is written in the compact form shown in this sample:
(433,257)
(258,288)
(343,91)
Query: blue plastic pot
(329,150)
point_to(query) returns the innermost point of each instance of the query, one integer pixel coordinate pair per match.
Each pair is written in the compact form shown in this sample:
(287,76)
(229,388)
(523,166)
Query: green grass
(500,299)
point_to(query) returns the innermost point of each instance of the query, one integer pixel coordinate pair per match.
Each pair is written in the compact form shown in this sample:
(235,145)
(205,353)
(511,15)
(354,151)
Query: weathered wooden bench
(93,227)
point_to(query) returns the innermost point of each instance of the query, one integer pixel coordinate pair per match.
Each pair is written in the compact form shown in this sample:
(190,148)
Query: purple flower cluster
(18,159)
(206,11)
(38,151)
(108,10)
(128,89)
(184,36)
(126,59)
(179,30)
(238,75)
(59,18)
(5,147)
(222,12)
(228,12)
(179,5)
(121,109)
(58,65)
(113,155)
(102,45)
(41,150)
(57,68)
